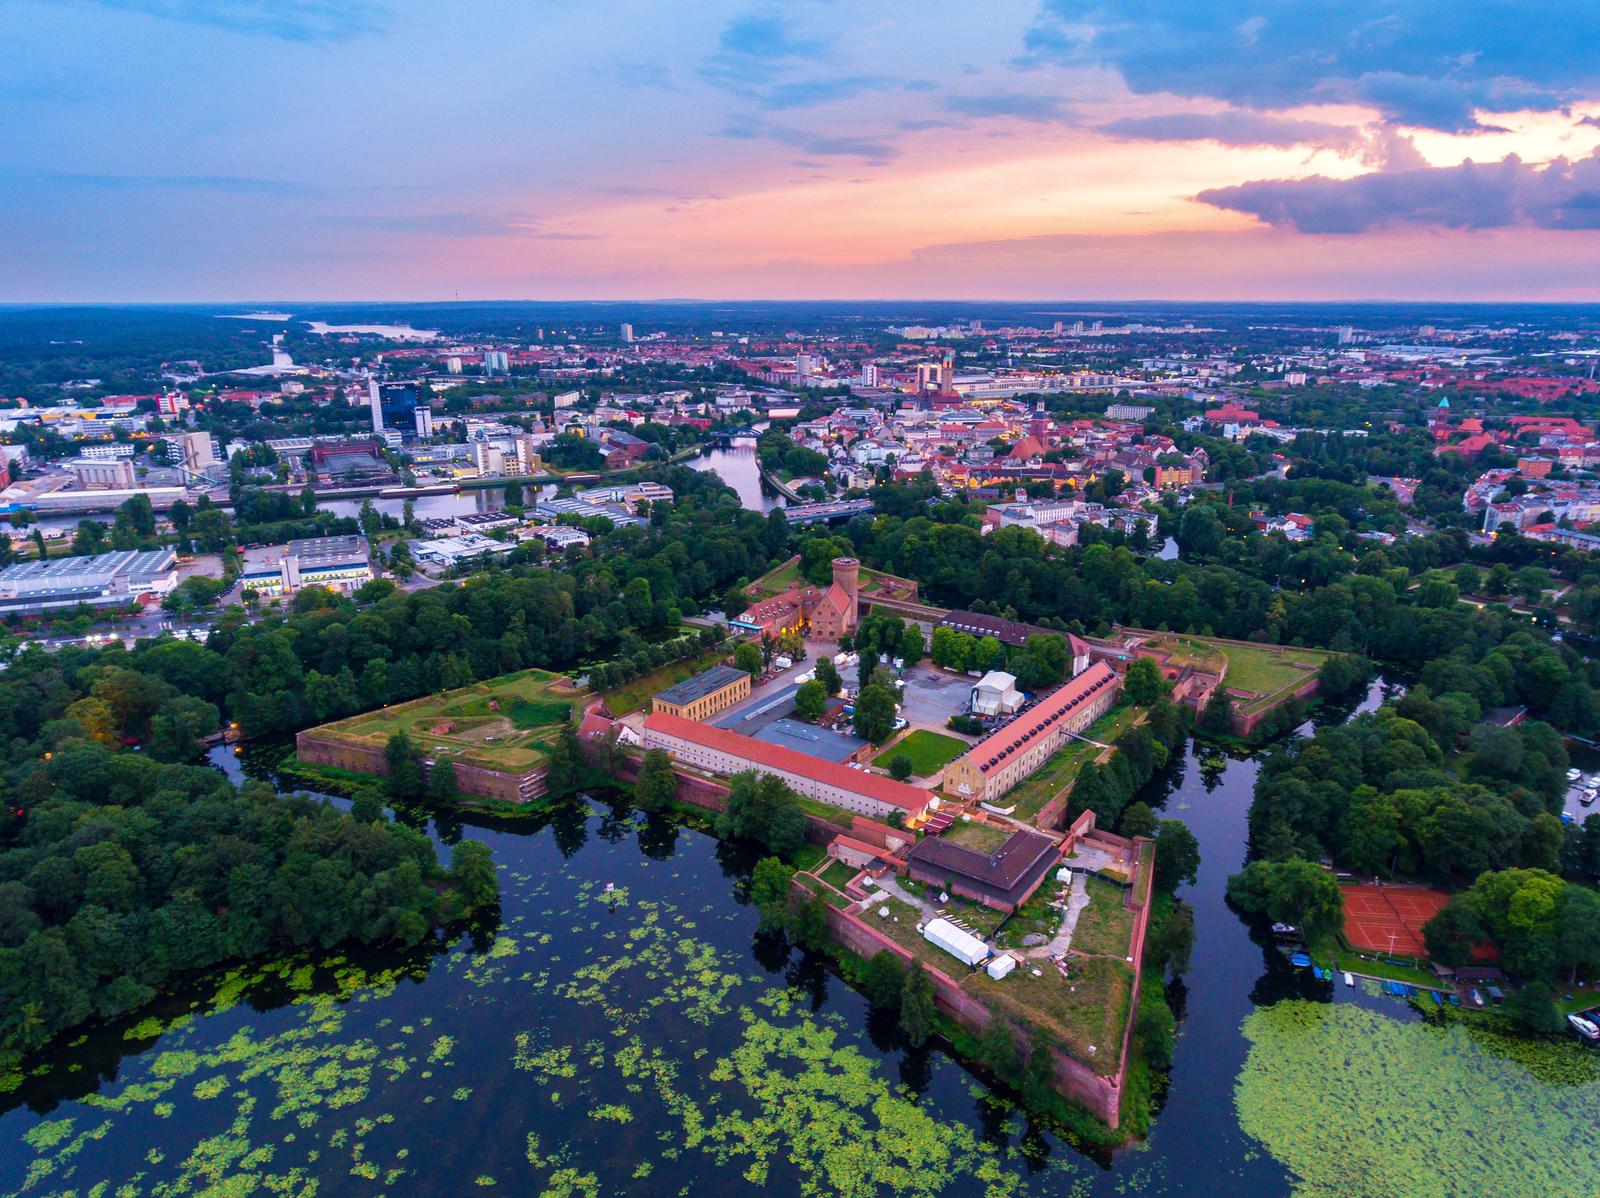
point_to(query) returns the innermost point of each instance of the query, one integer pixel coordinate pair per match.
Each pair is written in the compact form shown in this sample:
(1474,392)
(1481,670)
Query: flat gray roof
(812,741)
(702,684)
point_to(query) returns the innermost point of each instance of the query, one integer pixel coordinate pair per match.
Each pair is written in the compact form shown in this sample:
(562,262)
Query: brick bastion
(316,749)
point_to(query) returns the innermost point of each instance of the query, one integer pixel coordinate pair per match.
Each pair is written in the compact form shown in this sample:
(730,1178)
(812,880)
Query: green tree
(1039,1071)
(884,980)
(997,1048)
(874,714)
(1171,941)
(810,701)
(407,782)
(473,877)
(1295,892)
(442,788)
(1139,820)
(1177,855)
(747,657)
(1534,1008)
(900,767)
(769,891)
(1143,684)
(89,539)
(917,1010)
(828,676)
(656,785)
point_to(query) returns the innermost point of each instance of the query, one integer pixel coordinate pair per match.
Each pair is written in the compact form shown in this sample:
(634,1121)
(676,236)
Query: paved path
(1077,900)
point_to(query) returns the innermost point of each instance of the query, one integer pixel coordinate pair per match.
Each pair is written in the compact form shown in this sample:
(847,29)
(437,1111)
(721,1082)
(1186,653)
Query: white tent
(964,946)
(1002,964)
(996,694)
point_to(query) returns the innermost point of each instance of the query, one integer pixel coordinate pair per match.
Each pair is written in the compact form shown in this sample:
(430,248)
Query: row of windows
(717,762)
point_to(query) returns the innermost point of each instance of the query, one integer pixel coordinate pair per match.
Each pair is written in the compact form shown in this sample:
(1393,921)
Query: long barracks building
(718,751)
(1001,760)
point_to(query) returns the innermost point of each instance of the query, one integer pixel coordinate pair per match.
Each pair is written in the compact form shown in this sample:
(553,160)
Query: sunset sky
(312,149)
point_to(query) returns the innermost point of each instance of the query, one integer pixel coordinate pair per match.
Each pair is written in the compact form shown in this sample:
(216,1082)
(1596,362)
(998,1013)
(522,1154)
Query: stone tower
(847,573)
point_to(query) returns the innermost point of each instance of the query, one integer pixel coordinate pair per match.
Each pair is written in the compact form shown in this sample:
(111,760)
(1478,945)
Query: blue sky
(174,149)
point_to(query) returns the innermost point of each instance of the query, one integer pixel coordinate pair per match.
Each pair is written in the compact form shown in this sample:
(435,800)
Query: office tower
(627,333)
(805,365)
(1346,334)
(424,418)
(1077,328)
(869,375)
(375,404)
(495,362)
(453,365)
(1056,328)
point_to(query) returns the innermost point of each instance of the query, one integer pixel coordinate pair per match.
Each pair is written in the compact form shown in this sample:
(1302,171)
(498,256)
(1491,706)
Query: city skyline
(167,150)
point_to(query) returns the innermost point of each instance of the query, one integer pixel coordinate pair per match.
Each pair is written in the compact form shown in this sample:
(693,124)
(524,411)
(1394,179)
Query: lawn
(1264,671)
(838,873)
(982,838)
(929,751)
(1105,926)
(1086,1011)
(778,581)
(636,695)
(501,724)
(1033,793)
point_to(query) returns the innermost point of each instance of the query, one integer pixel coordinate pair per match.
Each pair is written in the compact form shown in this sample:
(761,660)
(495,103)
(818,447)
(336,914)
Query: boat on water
(1586,1029)
(1348,980)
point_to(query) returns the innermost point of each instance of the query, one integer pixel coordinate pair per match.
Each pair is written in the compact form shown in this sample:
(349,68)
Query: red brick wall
(470,779)
(1245,725)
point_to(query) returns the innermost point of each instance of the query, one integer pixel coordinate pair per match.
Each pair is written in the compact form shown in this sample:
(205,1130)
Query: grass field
(1105,926)
(929,751)
(1086,1011)
(501,724)
(1259,669)
(777,581)
(1033,793)
(982,838)
(635,695)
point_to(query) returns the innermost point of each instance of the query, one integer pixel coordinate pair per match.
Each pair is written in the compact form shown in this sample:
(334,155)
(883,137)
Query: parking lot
(933,696)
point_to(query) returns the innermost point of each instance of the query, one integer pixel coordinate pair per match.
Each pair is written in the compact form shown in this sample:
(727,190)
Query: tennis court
(1385,919)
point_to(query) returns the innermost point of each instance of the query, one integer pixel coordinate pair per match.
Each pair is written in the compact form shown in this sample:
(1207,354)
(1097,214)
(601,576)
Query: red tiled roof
(994,749)
(776,757)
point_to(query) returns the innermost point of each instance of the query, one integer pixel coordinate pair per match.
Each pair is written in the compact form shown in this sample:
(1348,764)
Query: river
(737,466)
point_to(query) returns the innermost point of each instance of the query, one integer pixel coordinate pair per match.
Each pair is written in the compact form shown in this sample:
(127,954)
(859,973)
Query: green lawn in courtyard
(929,751)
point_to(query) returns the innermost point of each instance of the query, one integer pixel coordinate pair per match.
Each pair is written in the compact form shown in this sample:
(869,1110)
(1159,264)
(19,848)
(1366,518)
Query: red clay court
(1382,919)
